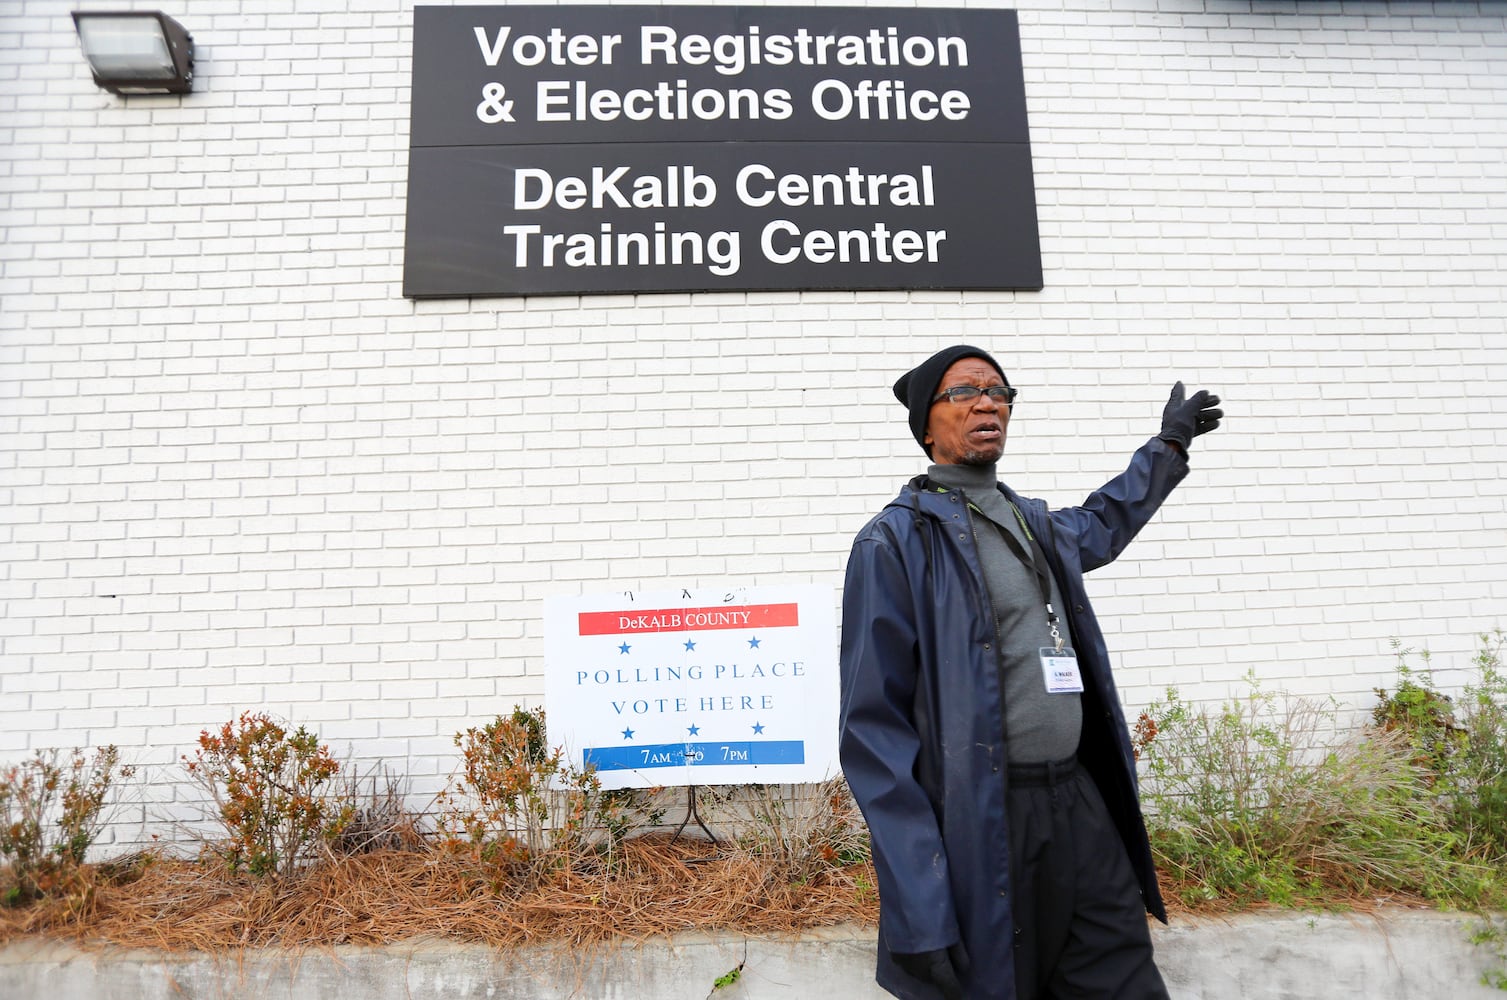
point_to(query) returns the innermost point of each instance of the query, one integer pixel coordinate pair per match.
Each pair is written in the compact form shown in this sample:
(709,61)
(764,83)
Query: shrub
(800,830)
(377,815)
(267,783)
(518,801)
(1424,716)
(1479,811)
(1461,747)
(1264,799)
(51,811)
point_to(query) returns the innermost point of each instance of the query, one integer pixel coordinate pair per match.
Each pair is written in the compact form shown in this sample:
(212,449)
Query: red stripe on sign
(689,619)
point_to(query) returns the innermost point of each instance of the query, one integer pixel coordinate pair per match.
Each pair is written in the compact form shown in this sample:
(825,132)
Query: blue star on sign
(694,731)
(627,734)
(758,728)
(624,648)
(753,643)
(689,645)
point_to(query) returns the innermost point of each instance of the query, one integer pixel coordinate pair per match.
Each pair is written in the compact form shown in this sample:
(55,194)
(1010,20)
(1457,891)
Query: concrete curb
(1395,955)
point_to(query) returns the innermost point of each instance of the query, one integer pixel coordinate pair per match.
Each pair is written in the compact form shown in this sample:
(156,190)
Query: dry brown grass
(654,887)
(1176,893)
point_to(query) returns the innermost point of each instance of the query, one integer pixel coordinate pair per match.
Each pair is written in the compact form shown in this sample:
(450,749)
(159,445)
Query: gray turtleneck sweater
(1038,726)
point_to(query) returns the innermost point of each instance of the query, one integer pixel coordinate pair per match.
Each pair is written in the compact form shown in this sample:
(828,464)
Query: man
(980,728)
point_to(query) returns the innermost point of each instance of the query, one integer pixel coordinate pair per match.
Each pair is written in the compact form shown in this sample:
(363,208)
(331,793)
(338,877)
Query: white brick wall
(239,470)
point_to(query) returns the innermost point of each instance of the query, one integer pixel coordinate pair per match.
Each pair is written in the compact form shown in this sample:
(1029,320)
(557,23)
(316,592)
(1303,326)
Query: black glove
(1185,419)
(945,969)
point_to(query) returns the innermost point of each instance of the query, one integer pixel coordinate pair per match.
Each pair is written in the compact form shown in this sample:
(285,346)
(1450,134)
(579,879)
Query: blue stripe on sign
(695,754)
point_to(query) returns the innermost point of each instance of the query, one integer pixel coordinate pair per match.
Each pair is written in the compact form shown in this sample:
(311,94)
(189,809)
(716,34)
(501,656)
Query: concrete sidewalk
(1398,954)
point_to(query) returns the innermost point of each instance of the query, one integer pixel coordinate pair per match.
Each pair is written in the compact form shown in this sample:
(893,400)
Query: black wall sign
(606,149)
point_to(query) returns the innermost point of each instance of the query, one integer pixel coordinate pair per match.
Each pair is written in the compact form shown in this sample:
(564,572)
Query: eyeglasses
(1001,394)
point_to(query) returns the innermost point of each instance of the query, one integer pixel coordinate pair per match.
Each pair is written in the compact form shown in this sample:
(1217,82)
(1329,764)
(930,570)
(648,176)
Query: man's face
(971,433)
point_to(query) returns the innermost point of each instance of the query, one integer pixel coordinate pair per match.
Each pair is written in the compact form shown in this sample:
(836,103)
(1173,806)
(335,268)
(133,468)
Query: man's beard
(978,458)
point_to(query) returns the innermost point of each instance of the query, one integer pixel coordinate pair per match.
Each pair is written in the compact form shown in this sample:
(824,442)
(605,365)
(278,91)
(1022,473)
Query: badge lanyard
(1059,664)
(1043,578)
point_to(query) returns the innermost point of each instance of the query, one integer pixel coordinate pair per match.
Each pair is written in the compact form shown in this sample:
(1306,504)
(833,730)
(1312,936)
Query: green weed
(1491,933)
(1265,799)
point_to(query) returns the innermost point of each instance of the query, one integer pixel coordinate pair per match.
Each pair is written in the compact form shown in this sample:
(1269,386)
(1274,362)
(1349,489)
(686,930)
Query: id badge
(1059,667)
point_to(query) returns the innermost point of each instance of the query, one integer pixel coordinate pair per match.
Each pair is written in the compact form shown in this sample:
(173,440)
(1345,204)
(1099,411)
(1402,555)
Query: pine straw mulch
(656,887)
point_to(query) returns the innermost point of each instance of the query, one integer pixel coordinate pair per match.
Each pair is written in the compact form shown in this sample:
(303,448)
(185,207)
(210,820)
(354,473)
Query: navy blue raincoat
(922,741)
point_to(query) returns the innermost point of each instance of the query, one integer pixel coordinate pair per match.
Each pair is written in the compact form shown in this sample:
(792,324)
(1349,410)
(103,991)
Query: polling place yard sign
(610,149)
(694,687)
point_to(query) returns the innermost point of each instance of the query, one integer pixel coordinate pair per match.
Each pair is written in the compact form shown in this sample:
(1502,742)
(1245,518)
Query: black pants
(1080,920)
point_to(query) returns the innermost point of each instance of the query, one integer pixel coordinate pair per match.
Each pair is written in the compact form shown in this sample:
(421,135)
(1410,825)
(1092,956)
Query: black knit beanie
(918,387)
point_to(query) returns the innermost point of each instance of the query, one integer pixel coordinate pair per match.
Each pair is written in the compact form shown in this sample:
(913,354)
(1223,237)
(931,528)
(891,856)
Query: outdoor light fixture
(137,52)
